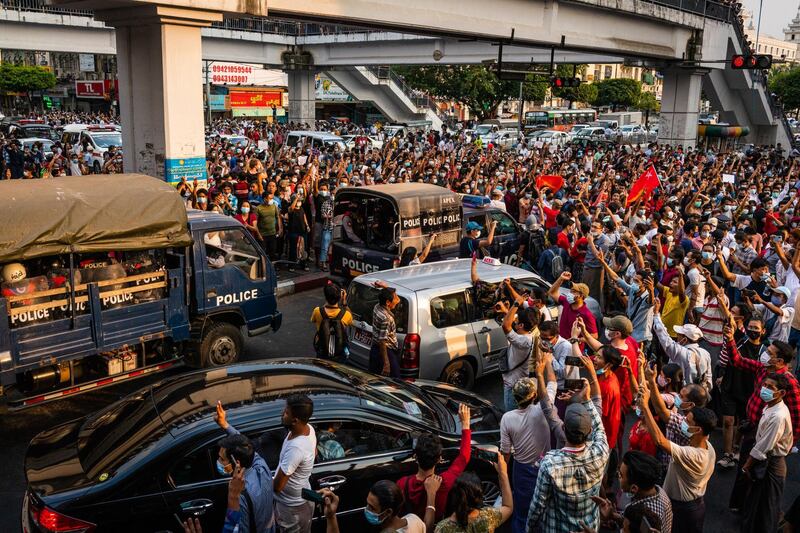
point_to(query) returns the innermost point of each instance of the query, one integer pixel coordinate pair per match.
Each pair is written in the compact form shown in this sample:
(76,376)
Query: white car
(97,139)
(47,144)
(593,133)
(633,133)
(551,137)
(576,128)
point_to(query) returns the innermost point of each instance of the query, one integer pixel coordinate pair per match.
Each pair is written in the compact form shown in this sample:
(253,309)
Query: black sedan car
(147,461)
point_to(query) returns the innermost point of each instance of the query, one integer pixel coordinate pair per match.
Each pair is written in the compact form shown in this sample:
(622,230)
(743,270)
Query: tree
(618,92)
(21,79)
(473,86)
(648,103)
(786,85)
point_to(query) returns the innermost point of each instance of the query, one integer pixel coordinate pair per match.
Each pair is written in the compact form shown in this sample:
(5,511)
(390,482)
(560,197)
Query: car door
(489,337)
(451,336)
(353,452)
(506,237)
(192,487)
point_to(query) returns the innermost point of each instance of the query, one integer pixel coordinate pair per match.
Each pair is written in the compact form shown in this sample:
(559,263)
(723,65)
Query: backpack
(557,265)
(330,342)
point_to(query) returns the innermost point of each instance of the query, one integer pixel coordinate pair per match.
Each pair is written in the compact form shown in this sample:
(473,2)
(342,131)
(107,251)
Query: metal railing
(419,98)
(40,7)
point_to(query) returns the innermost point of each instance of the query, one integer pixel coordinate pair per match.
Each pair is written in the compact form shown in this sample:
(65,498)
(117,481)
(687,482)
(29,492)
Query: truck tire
(221,345)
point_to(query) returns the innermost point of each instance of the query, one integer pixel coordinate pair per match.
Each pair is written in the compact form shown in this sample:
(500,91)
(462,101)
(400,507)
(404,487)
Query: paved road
(293,340)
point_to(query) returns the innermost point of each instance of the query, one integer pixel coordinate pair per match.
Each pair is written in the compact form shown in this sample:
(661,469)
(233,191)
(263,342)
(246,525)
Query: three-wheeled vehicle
(109,279)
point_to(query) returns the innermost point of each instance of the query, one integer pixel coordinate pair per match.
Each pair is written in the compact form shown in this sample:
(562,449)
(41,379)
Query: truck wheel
(221,345)
(459,374)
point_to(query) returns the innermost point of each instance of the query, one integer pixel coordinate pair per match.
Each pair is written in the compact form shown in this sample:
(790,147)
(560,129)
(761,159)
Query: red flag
(554,183)
(644,186)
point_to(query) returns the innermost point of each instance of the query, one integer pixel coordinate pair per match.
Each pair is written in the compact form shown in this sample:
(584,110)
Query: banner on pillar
(190,168)
(255,99)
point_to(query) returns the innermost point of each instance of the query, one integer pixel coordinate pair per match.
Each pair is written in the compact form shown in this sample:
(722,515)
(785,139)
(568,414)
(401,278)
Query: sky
(775,15)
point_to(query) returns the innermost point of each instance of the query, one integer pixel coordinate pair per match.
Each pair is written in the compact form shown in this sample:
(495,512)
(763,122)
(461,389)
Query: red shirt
(769,222)
(563,241)
(640,440)
(568,316)
(550,217)
(630,352)
(414,489)
(612,409)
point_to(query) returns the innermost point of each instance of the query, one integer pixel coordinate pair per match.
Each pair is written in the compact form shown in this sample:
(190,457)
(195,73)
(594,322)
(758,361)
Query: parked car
(594,133)
(444,333)
(633,133)
(576,128)
(143,461)
(551,137)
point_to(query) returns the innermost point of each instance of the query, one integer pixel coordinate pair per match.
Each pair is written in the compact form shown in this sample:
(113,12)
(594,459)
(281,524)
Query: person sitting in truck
(215,255)
(350,220)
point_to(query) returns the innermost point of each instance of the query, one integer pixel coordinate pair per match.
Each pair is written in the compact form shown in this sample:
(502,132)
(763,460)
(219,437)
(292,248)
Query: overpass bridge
(160,45)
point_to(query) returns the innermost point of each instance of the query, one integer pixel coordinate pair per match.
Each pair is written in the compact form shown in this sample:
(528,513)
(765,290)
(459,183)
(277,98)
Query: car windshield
(118,432)
(104,140)
(45,132)
(483,129)
(393,396)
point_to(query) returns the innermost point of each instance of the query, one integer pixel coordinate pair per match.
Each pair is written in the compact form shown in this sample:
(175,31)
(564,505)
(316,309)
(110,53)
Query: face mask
(686,261)
(528,195)
(478,235)
(707,255)
(325,194)
(728,208)
(671,215)
(670,239)
(640,212)
(373,519)
(670,261)
(245,210)
(754,335)
(608,333)
(202,200)
(294,180)
(764,277)
(661,380)
(777,300)
(704,234)
(766,394)
(512,190)
(638,412)
(570,298)
(678,402)
(221,469)
(764,359)
(685,430)
(600,371)
(696,204)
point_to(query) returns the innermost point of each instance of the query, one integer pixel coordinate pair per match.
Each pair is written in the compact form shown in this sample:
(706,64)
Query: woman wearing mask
(201,200)
(383,509)
(248,218)
(465,504)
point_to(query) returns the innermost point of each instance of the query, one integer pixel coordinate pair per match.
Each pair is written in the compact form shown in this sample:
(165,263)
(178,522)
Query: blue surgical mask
(245,210)
(638,412)
(221,469)
(685,430)
(570,298)
(600,371)
(777,300)
(764,277)
(670,261)
(707,255)
(373,519)
(766,394)
(678,402)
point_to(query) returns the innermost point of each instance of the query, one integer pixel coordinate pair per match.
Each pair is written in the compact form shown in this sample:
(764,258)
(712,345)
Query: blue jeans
(325,242)
(508,399)
(524,481)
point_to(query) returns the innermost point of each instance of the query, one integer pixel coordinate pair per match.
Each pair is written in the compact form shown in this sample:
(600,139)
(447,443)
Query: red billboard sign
(255,99)
(89,89)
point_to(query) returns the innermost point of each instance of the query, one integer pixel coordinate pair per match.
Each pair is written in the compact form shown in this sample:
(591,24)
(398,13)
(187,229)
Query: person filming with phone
(252,510)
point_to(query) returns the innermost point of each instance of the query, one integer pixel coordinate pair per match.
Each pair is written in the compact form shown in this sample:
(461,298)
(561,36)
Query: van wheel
(96,167)
(459,374)
(221,345)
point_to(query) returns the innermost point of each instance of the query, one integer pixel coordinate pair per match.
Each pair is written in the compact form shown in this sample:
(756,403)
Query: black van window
(363,298)
(449,310)
(505,224)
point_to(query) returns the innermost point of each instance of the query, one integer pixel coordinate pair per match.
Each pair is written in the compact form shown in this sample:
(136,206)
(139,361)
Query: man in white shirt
(685,351)
(765,467)
(551,341)
(295,464)
(778,313)
(691,466)
(518,326)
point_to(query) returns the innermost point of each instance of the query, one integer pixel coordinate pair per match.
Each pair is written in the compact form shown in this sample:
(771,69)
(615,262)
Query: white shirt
(695,361)
(296,461)
(774,435)
(413,524)
(527,431)
(689,471)
(561,350)
(696,279)
(519,350)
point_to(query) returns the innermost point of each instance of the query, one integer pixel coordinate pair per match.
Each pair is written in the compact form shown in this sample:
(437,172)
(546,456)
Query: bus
(558,119)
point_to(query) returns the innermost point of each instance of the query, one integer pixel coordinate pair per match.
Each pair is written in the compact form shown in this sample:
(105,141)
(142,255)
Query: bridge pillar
(159,65)
(680,106)
(302,96)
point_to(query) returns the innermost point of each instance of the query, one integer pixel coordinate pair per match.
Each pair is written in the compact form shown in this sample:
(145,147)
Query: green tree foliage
(786,84)
(473,86)
(647,102)
(19,78)
(618,92)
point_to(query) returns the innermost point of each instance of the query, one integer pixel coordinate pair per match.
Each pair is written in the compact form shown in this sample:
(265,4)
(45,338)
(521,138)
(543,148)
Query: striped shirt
(711,321)
(383,326)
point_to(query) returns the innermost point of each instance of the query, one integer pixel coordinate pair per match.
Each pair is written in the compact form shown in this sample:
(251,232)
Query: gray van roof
(443,274)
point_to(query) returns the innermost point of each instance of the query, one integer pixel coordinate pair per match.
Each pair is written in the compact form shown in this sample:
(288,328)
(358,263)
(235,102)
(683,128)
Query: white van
(314,139)
(98,139)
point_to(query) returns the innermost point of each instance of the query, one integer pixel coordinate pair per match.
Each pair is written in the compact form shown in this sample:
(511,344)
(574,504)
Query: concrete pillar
(302,97)
(159,62)
(680,106)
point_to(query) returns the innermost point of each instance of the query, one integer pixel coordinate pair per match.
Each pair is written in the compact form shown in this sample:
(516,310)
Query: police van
(94,140)
(97,289)
(373,225)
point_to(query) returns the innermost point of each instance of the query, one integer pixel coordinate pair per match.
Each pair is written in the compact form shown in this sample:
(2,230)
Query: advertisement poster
(185,167)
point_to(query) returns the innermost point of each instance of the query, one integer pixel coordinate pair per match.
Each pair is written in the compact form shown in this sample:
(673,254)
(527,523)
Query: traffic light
(560,82)
(751,62)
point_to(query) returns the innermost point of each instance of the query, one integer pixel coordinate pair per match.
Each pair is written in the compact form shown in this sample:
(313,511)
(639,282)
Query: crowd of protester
(697,281)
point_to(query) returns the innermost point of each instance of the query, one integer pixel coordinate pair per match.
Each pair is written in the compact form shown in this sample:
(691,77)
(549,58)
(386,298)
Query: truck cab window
(505,224)
(233,249)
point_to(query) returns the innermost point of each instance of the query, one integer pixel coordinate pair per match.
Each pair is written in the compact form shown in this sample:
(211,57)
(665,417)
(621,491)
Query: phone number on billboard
(228,78)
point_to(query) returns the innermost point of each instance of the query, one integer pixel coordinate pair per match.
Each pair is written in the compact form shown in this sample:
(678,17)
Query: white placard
(538,144)
(728,178)
(86,62)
